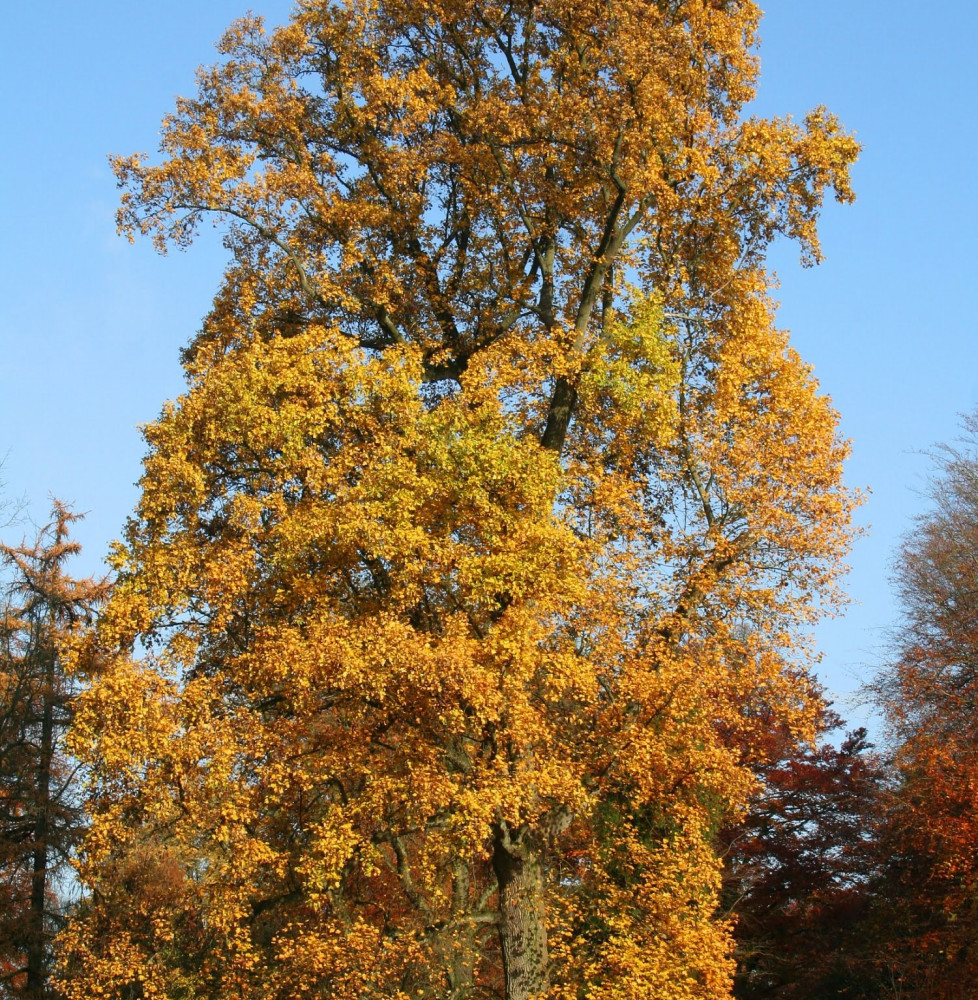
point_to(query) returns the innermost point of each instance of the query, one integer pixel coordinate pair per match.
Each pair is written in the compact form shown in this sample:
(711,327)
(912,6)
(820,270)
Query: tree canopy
(478,556)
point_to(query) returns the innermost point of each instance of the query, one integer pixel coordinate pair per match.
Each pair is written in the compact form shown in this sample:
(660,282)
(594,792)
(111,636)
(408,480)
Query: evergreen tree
(40,816)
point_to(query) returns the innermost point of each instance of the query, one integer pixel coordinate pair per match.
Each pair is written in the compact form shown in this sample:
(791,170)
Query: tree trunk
(562,404)
(519,867)
(462,951)
(36,950)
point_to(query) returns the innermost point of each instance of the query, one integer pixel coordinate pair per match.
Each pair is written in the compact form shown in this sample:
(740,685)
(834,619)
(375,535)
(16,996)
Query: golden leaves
(390,638)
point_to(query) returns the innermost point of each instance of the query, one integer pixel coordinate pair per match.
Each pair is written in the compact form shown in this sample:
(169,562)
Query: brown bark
(519,866)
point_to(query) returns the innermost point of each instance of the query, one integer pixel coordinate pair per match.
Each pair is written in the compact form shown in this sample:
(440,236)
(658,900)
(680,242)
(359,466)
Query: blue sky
(90,327)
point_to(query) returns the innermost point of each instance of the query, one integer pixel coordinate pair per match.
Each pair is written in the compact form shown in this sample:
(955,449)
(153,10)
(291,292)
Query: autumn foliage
(478,558)
(44,611)
(930,836)
(802,869)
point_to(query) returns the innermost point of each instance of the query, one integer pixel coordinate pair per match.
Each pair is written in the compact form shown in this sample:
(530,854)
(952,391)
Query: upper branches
(462,176)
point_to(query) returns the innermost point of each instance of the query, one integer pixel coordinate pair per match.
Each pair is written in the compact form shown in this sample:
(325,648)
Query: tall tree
(463,572)
(929,694)
(40,817)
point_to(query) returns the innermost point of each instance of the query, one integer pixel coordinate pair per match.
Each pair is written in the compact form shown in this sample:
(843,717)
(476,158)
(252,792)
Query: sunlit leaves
(463,570)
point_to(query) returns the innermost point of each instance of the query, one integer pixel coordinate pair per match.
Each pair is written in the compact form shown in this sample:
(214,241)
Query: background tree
(803,868)
(466,574)
(40,817)
(929,695)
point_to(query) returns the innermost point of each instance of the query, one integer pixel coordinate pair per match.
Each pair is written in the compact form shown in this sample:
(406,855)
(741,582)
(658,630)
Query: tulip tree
(485,539)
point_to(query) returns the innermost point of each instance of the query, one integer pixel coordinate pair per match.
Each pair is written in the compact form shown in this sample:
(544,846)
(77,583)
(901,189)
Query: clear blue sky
(90,327)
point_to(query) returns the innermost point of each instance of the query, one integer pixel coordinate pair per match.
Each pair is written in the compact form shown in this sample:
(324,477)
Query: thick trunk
(519,867)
